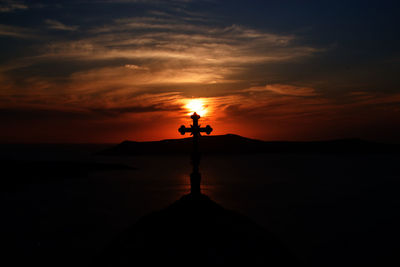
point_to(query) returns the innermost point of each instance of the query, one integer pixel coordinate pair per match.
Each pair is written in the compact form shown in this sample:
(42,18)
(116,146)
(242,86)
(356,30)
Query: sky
(106,71)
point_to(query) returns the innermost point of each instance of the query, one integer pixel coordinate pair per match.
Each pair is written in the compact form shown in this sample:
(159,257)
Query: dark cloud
(12,5)
(57,25)
(19,115)
(45,114)
(117,111)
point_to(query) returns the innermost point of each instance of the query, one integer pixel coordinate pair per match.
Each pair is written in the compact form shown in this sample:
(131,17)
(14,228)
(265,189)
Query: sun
(196,105)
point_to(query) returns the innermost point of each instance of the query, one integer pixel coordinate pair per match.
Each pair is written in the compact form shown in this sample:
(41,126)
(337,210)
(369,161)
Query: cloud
(152,38)
(56,25)
(157,49)
(12,5)
(136,108)
(283,89)
(375,99)
(135,67)
(41,113)
(119,111)
(16,32)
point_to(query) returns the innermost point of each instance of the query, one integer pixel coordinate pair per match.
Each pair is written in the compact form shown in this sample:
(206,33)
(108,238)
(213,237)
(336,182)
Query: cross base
(195,179)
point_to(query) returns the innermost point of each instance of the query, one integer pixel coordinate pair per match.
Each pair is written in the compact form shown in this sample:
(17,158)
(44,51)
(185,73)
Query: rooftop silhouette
(196,230)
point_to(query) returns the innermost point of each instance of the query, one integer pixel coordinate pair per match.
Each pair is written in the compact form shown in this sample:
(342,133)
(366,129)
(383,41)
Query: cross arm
(206,130)
(184,130)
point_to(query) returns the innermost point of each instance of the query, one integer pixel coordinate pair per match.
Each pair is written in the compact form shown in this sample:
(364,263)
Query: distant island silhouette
(235,144)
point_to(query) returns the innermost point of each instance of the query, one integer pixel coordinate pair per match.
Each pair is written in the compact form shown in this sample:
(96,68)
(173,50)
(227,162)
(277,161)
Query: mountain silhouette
(235,144)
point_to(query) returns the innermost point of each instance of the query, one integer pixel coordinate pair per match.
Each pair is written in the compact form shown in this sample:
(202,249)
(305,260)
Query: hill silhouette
(232,144)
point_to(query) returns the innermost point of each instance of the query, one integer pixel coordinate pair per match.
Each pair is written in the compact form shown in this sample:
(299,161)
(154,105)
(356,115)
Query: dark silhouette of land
(235,144)
(61,208)
(195,230)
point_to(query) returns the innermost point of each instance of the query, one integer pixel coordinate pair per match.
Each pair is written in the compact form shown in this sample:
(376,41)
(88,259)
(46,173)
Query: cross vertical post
(195,130)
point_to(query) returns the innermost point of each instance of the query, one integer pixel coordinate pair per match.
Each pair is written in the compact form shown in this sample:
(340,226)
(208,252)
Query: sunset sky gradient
(108,71)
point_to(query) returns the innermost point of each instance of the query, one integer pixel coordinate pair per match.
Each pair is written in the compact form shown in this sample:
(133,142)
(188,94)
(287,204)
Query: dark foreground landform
(195,230)
(235,144)
(65,205)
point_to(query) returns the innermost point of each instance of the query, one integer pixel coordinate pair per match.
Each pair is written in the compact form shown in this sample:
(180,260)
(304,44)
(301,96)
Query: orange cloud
(284,89)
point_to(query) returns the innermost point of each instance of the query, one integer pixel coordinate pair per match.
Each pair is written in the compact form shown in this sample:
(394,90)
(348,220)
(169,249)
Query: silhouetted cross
(195,130)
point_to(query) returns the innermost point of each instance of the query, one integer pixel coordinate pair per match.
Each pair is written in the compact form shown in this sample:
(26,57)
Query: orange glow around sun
(197,105)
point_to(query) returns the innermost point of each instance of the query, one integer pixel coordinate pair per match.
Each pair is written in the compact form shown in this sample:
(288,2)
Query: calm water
(320,206)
